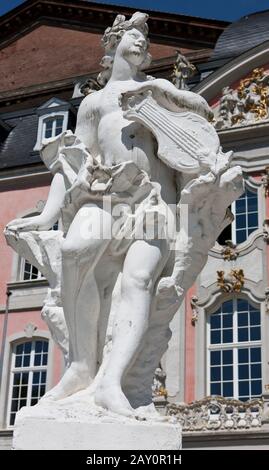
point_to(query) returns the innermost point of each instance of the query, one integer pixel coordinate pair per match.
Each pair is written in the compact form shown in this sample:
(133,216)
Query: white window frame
(23,262)
(30,369)
(252,190)
(235,345)
(51,110)
(52,118)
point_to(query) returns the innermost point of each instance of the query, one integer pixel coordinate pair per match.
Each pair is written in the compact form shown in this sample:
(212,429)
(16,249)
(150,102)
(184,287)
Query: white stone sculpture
(182,71)
(142,188)
(247,104)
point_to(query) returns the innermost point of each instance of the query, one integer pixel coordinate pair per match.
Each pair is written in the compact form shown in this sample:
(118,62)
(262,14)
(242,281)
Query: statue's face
(133,47)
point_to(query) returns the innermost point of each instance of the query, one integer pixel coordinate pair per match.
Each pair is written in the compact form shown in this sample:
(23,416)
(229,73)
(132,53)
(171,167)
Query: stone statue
(182,71)
(231,109)
(142,187)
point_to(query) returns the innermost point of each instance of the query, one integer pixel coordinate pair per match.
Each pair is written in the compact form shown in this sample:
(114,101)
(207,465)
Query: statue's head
(128,38)
(133,46)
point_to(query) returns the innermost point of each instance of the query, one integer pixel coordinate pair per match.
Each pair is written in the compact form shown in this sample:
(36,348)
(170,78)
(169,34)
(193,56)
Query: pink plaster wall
(12,204)
(16,324)
(189,349)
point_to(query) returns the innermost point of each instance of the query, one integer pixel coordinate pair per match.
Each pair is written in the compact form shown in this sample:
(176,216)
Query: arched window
(246,218)
(28,375)
(234,349)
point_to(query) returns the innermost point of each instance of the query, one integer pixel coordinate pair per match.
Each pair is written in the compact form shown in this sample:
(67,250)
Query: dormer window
(52,126)
(53,120)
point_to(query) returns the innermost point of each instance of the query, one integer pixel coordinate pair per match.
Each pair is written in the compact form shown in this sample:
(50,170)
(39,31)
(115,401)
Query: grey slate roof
(17,148)
(242,35)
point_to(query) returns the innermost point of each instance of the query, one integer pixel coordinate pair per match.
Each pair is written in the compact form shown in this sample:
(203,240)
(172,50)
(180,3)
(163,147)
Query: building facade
(217,361)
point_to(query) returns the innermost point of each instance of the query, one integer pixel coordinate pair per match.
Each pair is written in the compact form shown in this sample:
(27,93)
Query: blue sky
(220,9)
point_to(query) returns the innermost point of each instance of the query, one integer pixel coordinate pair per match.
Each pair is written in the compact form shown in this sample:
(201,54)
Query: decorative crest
(231,282)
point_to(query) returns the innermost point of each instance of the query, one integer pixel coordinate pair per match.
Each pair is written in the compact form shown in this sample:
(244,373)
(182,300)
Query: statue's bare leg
(143,264)
(81,251)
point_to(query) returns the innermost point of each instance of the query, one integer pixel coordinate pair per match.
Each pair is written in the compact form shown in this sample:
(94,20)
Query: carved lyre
(187,142)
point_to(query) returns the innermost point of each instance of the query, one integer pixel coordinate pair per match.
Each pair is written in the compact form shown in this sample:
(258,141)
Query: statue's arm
(168,96)
(50,213)
(87,118)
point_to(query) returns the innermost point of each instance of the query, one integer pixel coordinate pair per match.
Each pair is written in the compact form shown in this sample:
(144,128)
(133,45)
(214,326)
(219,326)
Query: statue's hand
(167,288)
(27,224)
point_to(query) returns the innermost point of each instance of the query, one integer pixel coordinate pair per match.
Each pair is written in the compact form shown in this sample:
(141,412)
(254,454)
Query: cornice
(164,28)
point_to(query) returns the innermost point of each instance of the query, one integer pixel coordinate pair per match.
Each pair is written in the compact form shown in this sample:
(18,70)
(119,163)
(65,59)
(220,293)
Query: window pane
(24,391)
(253,221)
(227,307)
(27,347)
(26,360)
(227,357)
(215,389)
(38,346)
(215,357)
(241,236)
(256,371)
(37,361)
(43,377)
(244,388)
(228,389)
(215,374)
(59,125)
(18,361)
(255,354)
(252,203)
(243,372)
(242,319)
(35,391)
(12,419)
(36,377)
(48,128)
(16,391)
(227,336)
(242,334)
(17,379)
(44,359)
(215,321)
(228,373)
(243,356)
(256,387)
(240,205)
(240,221)
(255,333)
(34,274)
(227,321)
(14,405)
(215,337)
(25,377)
(255,317)
(242,305)
(19,349)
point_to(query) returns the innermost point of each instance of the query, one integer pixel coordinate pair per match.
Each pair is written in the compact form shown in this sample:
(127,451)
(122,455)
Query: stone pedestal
(35,429)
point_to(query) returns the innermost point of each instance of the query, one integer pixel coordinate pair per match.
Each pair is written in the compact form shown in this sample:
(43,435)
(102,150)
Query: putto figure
(141,148)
